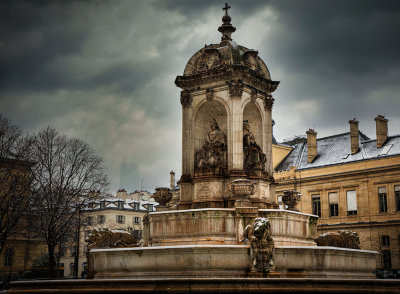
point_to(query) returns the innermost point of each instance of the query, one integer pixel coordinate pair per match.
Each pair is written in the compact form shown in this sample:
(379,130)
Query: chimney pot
(381,130)
(311,144)
(354,136)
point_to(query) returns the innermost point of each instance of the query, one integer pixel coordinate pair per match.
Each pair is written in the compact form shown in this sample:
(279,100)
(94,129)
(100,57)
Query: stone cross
(226,8)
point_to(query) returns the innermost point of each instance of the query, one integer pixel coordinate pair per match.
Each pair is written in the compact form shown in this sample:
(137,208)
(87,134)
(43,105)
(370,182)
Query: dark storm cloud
(104,71)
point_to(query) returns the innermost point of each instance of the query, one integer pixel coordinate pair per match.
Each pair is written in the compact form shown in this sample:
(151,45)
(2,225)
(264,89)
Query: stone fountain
(228,234)
(228,223)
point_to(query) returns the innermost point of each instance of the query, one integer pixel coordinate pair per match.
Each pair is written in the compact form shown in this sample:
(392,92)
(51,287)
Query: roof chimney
(311,144)
(172,179)
(354,137)
(381,130)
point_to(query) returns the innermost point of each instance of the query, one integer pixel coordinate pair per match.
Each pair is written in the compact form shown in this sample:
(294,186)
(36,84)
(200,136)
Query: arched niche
(204,116)
(252,114)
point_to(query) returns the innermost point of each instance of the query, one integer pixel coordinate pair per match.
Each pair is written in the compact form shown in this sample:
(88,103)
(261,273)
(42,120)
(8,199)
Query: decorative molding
(268,102)
(210,94)
(253,95)
(186,99)
(236,89)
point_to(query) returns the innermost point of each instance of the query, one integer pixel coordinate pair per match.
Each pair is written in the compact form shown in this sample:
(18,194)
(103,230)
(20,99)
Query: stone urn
(291,198)
(240,190)
(162,196)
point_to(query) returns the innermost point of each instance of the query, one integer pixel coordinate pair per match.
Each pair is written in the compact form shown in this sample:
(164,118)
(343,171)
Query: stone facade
(372,179)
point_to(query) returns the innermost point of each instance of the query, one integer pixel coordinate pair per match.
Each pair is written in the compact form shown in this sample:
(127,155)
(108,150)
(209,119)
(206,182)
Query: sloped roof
(334,150)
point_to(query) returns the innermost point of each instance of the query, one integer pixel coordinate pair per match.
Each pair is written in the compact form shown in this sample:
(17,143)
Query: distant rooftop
(336,150)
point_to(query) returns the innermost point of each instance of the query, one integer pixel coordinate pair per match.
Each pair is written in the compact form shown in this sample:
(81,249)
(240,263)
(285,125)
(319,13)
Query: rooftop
(336,150)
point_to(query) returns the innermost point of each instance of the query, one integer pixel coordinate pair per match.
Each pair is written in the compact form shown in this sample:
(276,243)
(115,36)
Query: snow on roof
(336,150)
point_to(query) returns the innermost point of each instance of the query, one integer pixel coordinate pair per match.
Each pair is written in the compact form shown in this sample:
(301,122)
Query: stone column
(268,103)
(187,111)
(187,138)
(235,92)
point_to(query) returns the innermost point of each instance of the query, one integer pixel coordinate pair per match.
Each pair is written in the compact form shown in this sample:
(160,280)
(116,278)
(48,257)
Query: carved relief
(268,102)
(254,158)
(236,89)
(209,94)
(253,96)
(186,99)
(259,235)
(212,156)
(210,60)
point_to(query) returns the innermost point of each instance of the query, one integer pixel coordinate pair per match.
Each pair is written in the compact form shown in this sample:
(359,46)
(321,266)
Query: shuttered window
(351,202)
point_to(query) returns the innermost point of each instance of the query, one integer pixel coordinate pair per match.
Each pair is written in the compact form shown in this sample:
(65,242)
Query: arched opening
(210,138)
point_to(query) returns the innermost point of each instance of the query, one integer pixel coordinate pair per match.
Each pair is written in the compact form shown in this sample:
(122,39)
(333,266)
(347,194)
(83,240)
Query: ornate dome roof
(225,54)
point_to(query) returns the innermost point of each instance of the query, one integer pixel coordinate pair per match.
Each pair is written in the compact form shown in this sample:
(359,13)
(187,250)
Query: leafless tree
(15,179)
(64,176)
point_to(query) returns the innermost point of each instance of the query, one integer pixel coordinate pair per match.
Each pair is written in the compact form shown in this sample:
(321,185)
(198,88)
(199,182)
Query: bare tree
(66,172)
(15,179)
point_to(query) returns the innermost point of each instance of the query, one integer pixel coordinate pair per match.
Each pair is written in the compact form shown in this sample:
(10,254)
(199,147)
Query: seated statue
(254,158)
(212,154)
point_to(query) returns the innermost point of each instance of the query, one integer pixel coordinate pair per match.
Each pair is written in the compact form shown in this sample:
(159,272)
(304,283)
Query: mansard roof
(336,150)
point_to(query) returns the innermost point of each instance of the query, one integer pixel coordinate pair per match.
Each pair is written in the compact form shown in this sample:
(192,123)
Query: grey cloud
(104,71)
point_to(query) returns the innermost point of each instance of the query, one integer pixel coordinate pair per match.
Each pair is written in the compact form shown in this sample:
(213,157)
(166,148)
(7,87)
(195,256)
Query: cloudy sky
(104,71)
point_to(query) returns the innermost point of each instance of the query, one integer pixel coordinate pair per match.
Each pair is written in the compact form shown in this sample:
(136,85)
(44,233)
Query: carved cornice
(236,89)
(227,73)
(186,98)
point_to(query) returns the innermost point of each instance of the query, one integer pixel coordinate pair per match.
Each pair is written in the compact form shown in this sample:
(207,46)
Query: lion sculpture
(105,238)
(343,239)
(262,245)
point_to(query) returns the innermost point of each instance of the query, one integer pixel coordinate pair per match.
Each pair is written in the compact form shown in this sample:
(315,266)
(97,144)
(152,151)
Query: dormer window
(150,207)
(102,204)
(136,206)
(120,204)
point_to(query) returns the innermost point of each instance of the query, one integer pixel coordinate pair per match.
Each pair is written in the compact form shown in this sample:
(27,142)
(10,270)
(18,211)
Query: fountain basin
(205,261)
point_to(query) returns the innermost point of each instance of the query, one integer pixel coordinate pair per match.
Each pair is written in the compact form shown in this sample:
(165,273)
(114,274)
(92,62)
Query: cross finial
(226,8)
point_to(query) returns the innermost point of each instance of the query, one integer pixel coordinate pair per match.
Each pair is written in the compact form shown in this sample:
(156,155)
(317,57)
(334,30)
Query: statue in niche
(212,155)
(254,158)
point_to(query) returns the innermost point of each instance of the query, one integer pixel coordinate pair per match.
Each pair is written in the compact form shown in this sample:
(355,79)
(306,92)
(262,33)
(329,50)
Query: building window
(102,204)
(385,240)
(120,204)
(136,206)
(351,202)
(382,199)
(333,204)
(89,220)
(397,195)
(279,198)
(150,207)
(386,259)
(8,257)
(72,251)
(120,219)
(136,220)
(91,205)
(101,219)
(316,205)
